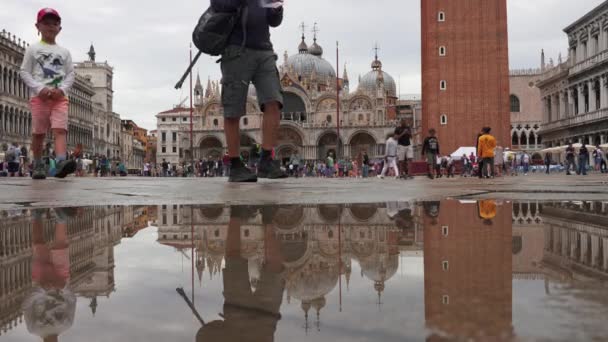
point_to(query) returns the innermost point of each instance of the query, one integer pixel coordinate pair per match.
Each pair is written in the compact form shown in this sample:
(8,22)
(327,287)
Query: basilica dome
(369,82)
(312,281)
(380,268)
(310,60)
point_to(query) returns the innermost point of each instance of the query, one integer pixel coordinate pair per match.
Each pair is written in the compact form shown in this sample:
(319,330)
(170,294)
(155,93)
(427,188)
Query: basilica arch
(327,143)
(289,218)
(363,212)
(210,146)
(289,141)
(330,213)
(295,101)
(362,141)
(211,213)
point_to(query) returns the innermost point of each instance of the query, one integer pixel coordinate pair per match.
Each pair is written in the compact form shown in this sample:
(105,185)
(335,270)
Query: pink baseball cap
(46,12)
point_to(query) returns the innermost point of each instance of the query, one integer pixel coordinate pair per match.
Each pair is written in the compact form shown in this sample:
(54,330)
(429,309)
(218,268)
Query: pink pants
(49,114)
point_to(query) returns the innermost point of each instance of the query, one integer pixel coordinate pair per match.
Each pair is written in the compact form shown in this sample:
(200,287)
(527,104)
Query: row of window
(163,136)
(443,84)
(184,119)
(164,149)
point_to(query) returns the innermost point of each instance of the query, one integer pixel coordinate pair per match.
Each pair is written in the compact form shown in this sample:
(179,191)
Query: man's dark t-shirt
(165,165)
(405,139)
(431,145)
(570,153)
(259,22)
(584,152)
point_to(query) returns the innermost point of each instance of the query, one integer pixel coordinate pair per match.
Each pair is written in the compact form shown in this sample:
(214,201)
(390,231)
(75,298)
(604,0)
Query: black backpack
(214,28)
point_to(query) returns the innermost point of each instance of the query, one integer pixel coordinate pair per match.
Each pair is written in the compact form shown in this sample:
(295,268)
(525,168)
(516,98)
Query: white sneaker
(380,177)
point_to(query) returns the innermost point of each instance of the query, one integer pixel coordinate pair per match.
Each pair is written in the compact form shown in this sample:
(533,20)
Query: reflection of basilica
(318,244)
(92,235)
(308,123)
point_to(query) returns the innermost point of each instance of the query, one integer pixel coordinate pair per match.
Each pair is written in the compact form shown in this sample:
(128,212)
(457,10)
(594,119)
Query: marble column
(570,109)
(581,99)
(563,104)
(604,91)
(592,97)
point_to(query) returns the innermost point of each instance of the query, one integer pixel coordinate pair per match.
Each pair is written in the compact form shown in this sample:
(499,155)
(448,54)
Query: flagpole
(338,96)
(191,116)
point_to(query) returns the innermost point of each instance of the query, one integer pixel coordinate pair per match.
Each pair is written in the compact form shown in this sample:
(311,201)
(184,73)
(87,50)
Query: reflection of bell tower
(471,264)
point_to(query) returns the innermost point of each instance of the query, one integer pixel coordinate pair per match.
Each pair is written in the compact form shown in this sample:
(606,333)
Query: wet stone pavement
(447,270)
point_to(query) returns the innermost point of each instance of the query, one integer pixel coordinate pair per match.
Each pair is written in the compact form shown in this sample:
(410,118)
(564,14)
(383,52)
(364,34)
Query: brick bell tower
(465,71)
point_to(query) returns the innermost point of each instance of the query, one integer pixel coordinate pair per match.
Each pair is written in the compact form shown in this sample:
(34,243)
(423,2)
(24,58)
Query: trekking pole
(183,79)
(183,294)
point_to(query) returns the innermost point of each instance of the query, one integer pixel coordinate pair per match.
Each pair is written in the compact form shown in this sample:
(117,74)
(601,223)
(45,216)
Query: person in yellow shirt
(485,151)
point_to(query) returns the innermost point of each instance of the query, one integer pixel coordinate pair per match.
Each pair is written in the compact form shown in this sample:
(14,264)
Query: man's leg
(233,136)
(269,168)
(270,125)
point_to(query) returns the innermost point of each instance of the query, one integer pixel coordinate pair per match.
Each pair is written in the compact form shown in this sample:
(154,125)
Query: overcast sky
(147,42)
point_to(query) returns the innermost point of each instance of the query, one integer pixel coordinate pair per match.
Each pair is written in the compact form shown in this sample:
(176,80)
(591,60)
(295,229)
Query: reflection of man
(248,315)
(431,209)
(487,210)
(49,310)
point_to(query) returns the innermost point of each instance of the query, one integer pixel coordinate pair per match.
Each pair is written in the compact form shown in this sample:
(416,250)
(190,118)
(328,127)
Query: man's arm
(274,16)
(424,147)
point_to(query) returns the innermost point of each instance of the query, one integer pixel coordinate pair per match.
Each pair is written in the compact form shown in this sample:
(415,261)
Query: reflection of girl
(49,310)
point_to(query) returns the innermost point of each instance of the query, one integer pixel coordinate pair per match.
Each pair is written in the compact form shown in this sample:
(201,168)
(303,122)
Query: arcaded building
(526,111)
(575,91)
(465,70)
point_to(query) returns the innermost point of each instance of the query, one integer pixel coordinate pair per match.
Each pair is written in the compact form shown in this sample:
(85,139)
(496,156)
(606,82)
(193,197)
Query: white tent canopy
(457,155)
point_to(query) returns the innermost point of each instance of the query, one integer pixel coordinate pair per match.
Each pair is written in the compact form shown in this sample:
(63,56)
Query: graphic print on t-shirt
(52,67)
(433,144)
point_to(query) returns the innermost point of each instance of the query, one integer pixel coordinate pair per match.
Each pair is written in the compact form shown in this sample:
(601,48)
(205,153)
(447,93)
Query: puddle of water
(446,270)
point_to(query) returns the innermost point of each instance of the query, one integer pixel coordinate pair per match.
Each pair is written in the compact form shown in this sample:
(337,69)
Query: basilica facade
(309,119)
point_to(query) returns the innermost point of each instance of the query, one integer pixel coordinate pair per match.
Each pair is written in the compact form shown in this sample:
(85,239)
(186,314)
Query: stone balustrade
(581,119)
(589,63)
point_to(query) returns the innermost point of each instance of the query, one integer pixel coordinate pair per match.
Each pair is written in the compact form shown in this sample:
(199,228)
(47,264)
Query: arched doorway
(294,108)
(330,213)
(329,143)
(362,142)
(211,147)
(289,141)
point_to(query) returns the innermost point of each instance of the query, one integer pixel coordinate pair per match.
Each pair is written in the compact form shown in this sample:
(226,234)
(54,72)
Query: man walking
(570,159)
(254,63)
(405,152)
(583,160)
(390,160)
(485,151)
(548,163)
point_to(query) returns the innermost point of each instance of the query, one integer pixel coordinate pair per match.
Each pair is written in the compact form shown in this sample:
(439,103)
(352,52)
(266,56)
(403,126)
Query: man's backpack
(214,28)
